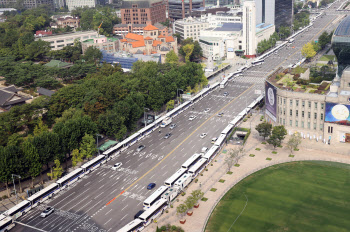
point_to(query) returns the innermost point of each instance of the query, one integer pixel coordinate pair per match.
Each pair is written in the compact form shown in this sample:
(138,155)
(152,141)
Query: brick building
(139,12)
(151,42)
(123,29)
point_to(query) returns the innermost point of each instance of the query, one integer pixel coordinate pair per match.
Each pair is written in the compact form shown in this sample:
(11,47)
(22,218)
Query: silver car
(141,147)
(172,126)
(47,212)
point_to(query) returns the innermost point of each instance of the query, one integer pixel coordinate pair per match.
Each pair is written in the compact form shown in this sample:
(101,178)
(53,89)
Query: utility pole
(97,142)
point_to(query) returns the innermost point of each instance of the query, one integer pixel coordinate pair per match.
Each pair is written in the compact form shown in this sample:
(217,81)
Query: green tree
(40,128)
(294,141)
(92,54)
(323,39)
(197,195)
(233,156)
(170,105)
(277,136)
(32,158)
(181,209)
(190,202)
(37,50)
(264,129)
(188,49)
(57,170)
(87,146)
(308,51)
(171,58)
(76,157)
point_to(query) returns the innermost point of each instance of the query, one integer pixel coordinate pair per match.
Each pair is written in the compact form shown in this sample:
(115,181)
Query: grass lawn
(327,57)
(297,196)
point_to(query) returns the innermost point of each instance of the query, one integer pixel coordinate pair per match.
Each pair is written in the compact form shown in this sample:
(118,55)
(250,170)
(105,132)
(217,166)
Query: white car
(203,135)
(47,212)
(206,110)
(213,140)
(204,149)
(192,117)
(117,166)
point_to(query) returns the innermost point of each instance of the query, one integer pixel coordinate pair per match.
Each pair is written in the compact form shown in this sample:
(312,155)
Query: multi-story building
(65,21)
(218,19)
(249,28)
(123,29)
(57,42)
(72,4)
(208,10)
(28,4)
(151,42)
(189,27)
(141,11)
(101,42)
(179,9)
(276,12)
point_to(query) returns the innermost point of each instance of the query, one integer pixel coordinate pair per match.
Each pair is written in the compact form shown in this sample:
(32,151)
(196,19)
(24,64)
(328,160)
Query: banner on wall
(271,100)
(344,137)
(337,114)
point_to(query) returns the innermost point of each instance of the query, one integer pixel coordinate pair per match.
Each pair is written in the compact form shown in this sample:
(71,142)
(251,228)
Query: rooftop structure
(189,28)
(109,44)
(72,4)
(179,9)
(9,97)
(141,11)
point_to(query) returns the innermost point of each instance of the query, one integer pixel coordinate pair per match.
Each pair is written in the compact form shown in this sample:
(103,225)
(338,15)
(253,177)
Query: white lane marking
(124,207)
(84,206)
(108,221)
(109,211)
(75,198)
(99,195)
(87,183)
(30,226)
(64,198)
(79,202)
(164,173)
(162,167)
(123,217)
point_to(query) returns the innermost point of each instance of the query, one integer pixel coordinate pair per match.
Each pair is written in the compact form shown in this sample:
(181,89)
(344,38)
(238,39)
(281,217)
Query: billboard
(337,114)
(271,100)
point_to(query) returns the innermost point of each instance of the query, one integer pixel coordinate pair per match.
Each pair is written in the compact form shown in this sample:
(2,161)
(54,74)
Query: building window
(321,127)
(322,105)
(309,104)
(284,111)
(315,105)
(291,102)
(302,124)
(284,101)
(303,103)
(302,113)
(290,122)
(290,113)
(308,125)
(330,129)
(284,122)
(296,123)
(297,102)
(296,113)
(60,41)
(308,115)
(280,100)
(315,116)
(280,120)
(314,126)
(321,116)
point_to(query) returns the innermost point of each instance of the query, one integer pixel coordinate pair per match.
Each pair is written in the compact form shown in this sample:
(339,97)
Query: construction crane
(98,30)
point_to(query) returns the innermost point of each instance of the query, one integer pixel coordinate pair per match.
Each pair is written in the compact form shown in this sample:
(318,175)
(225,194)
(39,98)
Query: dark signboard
(337,113)
(271,100)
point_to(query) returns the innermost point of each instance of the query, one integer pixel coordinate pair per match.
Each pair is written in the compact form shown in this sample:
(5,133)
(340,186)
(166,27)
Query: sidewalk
(311,151)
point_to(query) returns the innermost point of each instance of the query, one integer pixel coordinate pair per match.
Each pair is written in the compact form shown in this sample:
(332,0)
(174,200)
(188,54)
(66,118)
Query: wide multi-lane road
(83,206)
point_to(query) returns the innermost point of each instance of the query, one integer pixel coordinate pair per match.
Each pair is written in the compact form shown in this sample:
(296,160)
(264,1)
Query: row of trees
(283,32)
(190,201)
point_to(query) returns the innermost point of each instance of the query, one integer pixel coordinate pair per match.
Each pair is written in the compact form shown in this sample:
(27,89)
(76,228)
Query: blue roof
(344,28)
(230,27)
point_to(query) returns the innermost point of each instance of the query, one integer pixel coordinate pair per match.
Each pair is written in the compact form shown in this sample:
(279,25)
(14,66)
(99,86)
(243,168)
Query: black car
(167,136)
(138,214)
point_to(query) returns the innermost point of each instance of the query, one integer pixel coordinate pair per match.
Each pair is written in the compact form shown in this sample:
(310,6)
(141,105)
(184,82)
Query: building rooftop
(70,33)
(150,27)
(58,64)
(230,27)
(140,3)
(344,28)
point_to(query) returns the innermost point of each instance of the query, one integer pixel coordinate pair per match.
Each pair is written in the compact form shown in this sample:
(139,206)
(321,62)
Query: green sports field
(298,196)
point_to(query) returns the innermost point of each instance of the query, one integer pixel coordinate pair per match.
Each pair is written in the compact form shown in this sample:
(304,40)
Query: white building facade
(249,28)
(72,4)
(189,27)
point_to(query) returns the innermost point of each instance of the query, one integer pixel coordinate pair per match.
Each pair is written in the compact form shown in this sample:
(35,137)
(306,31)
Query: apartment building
(189,28)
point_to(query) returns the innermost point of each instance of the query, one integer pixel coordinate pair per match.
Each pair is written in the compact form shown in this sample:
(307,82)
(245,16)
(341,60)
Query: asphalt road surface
(83,206)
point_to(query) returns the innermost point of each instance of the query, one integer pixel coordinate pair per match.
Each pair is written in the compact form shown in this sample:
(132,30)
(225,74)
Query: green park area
(297,196)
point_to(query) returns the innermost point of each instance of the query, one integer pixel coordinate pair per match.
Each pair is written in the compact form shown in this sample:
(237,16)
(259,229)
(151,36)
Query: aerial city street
(163,104)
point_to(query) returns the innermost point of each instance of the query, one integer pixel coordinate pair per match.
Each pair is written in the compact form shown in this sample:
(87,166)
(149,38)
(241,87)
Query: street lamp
(144,115)
(14,186)
(177,95)
(97,142)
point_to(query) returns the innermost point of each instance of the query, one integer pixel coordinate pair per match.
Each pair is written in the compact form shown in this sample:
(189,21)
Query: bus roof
(227,129)
(131,137)
(220,140)
(153,208)
(4,220)
(182,178)
(211,151)
(113,148)
(86,165)
(130,225)
(190,160)
(156,194)
(197,165)
(68,176)
(16,207)
(176,175)
(234,121)
(33,197)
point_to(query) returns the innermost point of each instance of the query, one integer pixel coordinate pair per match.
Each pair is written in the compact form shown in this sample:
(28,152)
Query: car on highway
(192,117)
(172,126)
(225,94)
(47,212)
(203,135)
(167,135)
(138,214)
(151,186)
(204,149)
(141,147)
(117,166)
(220,114)
(213,140)
(206,110)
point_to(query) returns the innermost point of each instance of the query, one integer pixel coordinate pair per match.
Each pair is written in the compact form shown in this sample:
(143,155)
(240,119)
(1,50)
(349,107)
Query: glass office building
(341,45)
(177,10)
(283,13)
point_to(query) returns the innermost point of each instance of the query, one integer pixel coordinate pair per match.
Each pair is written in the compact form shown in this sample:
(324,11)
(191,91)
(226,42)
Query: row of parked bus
(159,200)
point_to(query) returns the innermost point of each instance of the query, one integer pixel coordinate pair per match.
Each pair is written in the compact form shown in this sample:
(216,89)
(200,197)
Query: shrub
(229,172)
(237,165)
(216,161)
(211,164)
(291,156)
(206,169)
(244,120)
(163,228)
(183,194)
(196,180)
(263,143)
(251,155)
(204,199)
(222,181)
(166,211)
(171,206)
(280,146)
(274,152)
(296,149)
(173,227)
(5,197)
(258,149)
(201,174)
(268,158)
(213,189)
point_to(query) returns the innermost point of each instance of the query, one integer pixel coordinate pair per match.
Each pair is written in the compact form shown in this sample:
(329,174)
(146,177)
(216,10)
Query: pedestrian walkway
(309,150)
